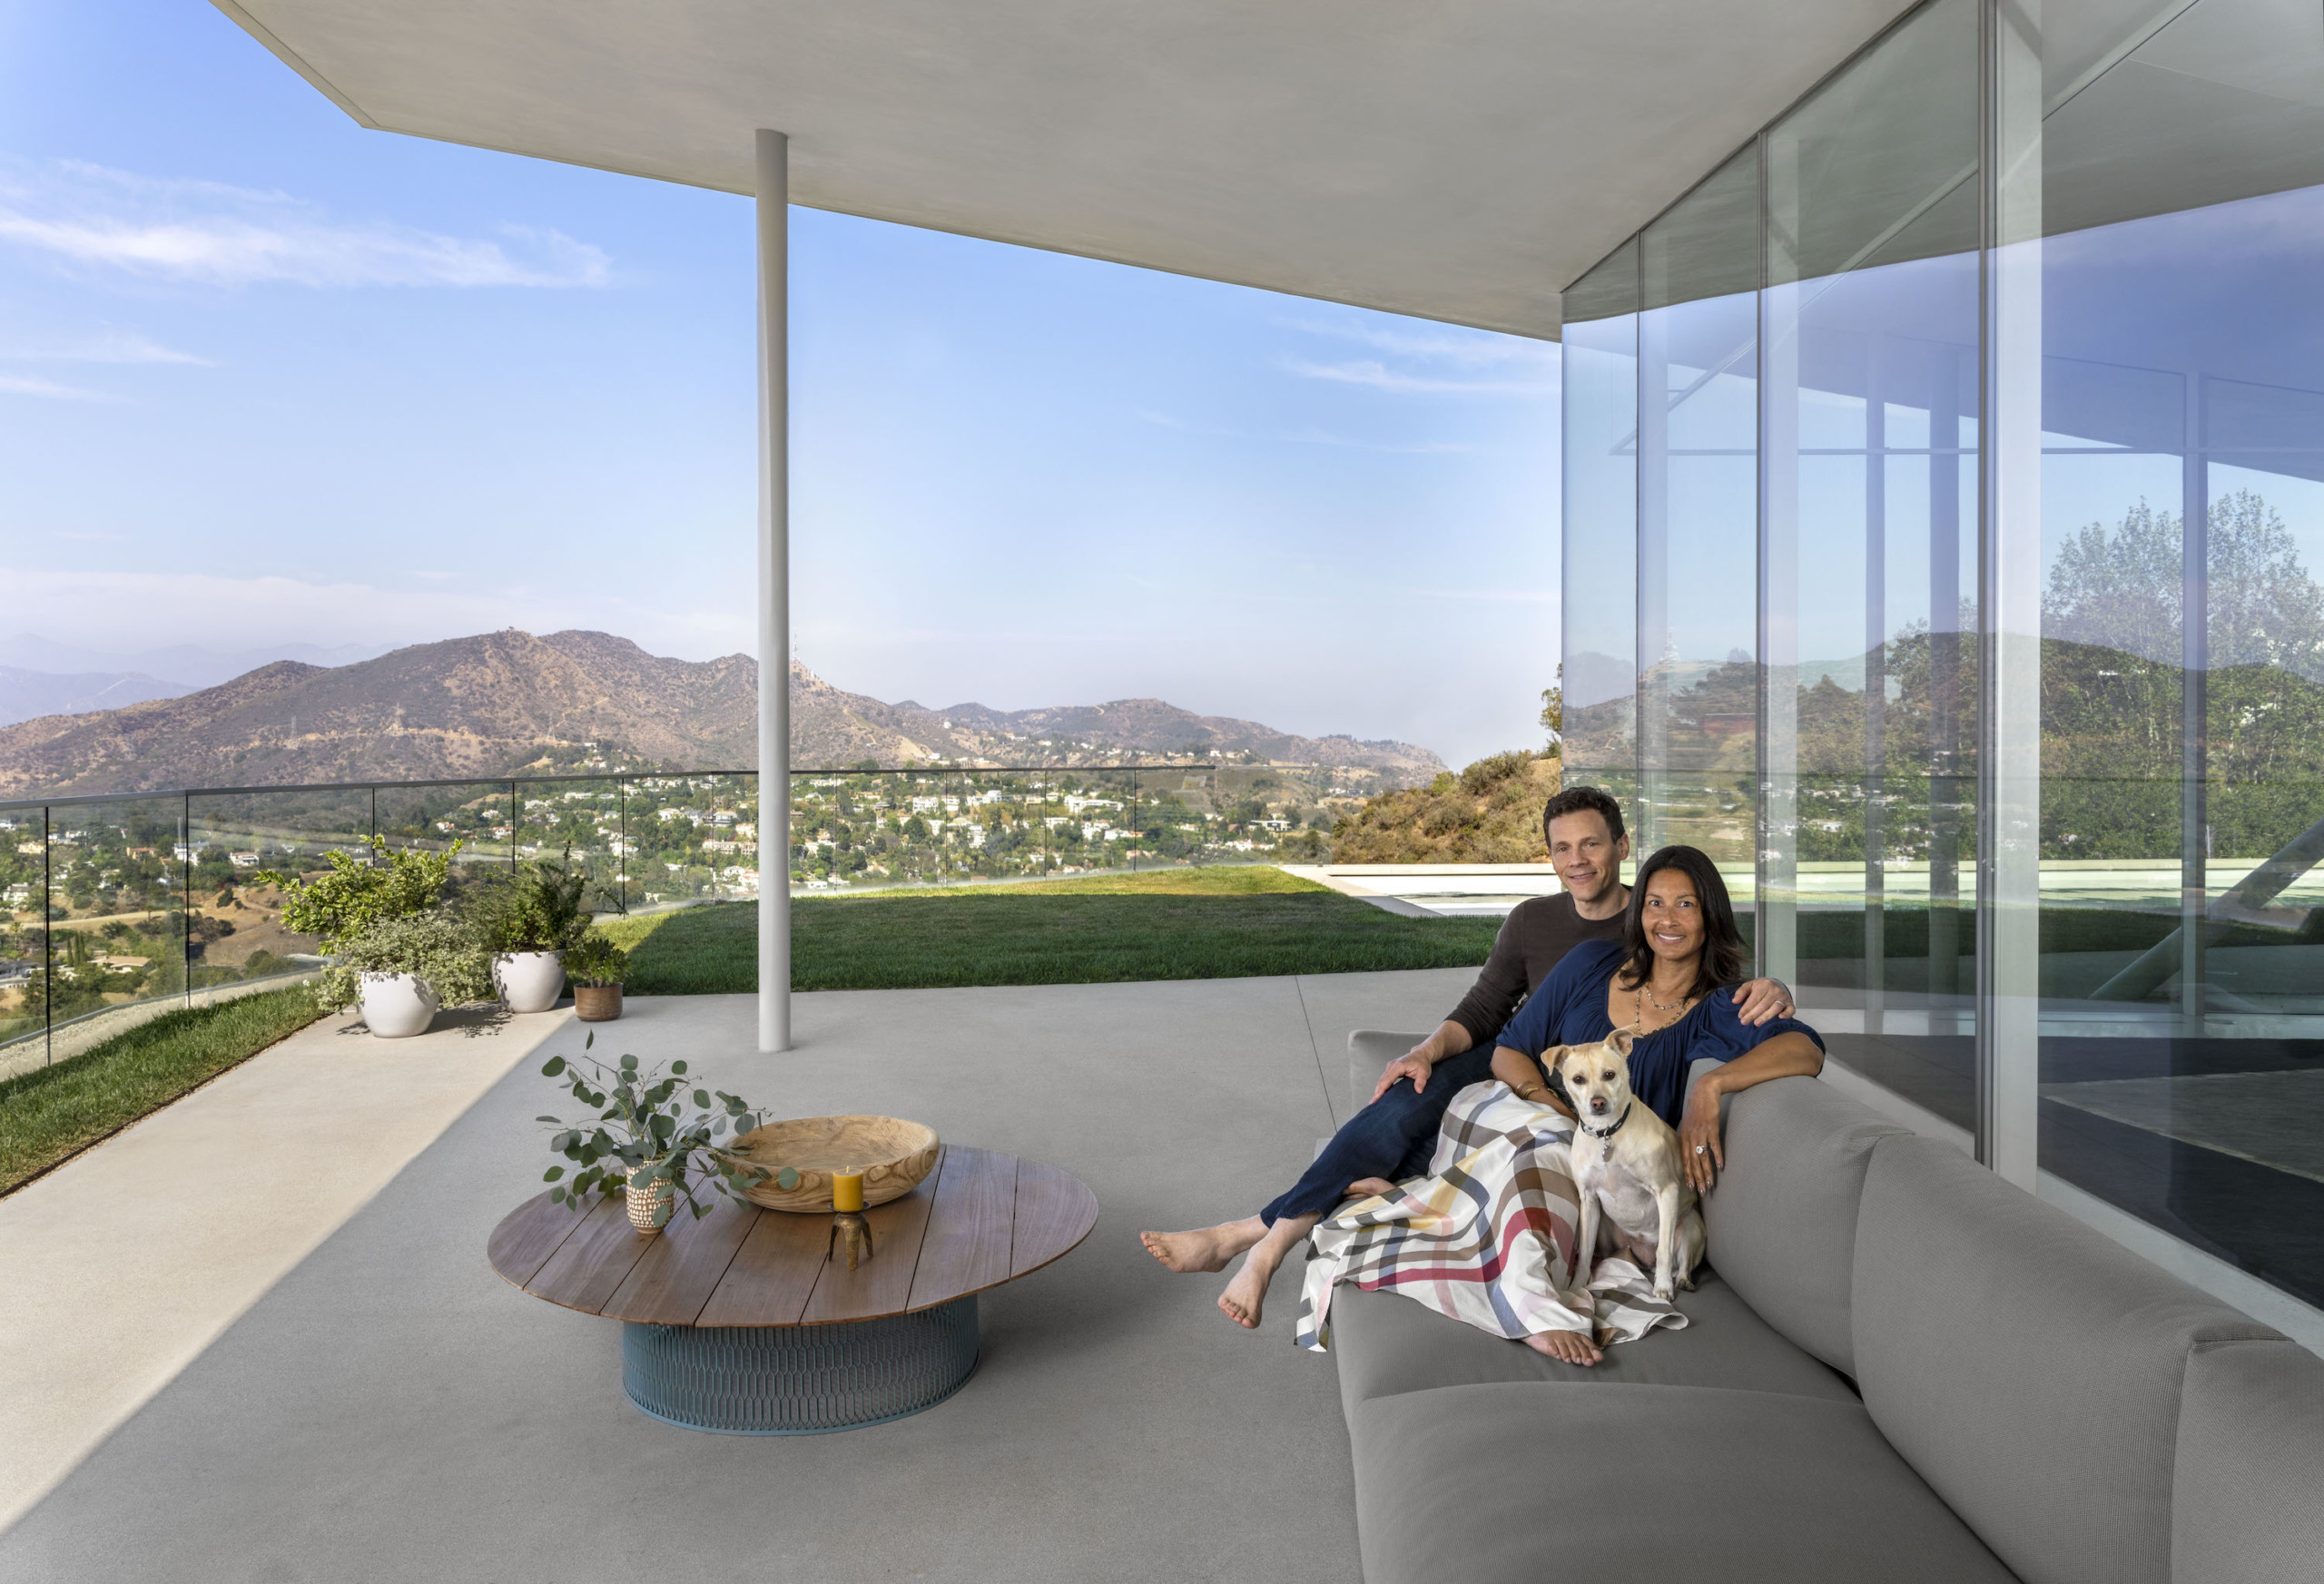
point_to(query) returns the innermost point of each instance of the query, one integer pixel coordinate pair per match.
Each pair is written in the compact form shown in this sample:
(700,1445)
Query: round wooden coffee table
(738,1323)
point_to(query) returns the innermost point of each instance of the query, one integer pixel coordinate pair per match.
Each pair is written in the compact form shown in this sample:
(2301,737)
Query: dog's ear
(1553,1059)
(1622,1040)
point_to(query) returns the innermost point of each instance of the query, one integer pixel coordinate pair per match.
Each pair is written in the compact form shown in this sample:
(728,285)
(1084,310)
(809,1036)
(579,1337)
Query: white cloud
(1312,436)
(107,345)
(1475,348)
(203,231)
(24,385)
(1371,372)
(108,609)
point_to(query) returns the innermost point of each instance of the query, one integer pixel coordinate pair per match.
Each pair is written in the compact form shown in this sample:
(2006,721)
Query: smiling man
(1393,1137)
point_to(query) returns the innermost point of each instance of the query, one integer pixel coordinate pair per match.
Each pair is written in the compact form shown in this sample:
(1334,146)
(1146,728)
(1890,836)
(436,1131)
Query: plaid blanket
(1487,1237)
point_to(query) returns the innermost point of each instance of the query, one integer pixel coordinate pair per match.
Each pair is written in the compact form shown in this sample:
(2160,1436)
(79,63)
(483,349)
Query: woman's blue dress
(1570,1008)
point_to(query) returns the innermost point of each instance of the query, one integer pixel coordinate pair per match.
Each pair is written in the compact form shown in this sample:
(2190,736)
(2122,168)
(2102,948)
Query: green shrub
(352,895)
(596,960)
(438,946)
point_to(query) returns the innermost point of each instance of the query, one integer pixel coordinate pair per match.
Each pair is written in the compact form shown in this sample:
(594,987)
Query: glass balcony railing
(115,909)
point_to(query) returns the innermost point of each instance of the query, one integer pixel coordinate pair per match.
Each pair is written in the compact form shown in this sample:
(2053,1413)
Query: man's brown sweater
(1533,938)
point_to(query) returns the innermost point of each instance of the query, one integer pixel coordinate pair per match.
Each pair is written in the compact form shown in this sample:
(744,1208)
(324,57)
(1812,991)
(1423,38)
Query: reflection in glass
(1871,470)
(1698,519)
(1600,672)
(2183,656)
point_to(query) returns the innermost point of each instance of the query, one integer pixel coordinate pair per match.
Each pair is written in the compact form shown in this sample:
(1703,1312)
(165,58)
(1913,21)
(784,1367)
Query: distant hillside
(1489,813)
(830,727)
(503,702)
(27,694)
(486,705)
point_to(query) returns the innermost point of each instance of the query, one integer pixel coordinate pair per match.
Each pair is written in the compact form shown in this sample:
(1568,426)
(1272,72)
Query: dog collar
(1609,1134)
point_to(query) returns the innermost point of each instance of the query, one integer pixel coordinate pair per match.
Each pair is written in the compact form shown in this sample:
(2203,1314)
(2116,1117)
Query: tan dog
(1625,1163)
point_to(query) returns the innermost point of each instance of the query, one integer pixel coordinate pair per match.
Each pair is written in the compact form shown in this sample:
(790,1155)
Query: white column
(2009,863)
(1780,310)
(774,590)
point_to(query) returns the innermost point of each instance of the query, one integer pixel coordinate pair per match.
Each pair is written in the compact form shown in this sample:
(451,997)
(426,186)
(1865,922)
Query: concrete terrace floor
(389,1409)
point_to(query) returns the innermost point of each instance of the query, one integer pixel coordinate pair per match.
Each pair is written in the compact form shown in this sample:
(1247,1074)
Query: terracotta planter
(397,1006)
(529,981)
(649,1207)
(596,1003)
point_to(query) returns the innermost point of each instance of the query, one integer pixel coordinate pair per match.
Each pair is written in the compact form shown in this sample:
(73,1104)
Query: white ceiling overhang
(1458,162)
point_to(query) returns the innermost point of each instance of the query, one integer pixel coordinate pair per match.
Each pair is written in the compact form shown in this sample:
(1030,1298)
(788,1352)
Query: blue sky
(268,377)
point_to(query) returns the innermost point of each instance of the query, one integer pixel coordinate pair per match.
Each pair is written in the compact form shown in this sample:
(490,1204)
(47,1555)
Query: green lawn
(1227,923)
(59,1111)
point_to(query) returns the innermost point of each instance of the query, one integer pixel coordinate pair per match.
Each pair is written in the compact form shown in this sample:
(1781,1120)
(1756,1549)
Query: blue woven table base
(800,1380)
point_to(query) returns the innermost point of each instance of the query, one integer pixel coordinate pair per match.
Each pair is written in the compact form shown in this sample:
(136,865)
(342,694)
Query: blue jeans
(1393,1137)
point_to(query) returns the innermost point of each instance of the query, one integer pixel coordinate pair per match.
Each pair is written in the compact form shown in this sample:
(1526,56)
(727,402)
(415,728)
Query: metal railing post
(47,941)
(185,891)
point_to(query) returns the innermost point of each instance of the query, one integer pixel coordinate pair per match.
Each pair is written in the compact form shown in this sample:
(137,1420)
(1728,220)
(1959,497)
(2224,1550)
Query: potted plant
(403,970)
(652,1140)
(355,893)
(596,968)
(528,921)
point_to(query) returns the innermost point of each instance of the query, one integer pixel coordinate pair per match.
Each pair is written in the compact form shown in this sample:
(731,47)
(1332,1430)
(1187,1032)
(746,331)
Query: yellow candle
(847,1190)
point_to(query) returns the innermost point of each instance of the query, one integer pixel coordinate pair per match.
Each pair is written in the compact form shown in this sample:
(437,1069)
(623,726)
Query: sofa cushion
(1781,1221)
(2027,1366)
(1518,1483)
(2243,1509)
(1386,1344)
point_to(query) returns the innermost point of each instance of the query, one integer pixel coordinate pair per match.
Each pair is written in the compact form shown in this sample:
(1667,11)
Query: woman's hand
(1701,1154)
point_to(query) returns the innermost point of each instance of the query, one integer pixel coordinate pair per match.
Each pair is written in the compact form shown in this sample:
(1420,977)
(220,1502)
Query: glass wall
(2183,622)
(1599,670)
(1698,518)
(1870,473)
(1944,521)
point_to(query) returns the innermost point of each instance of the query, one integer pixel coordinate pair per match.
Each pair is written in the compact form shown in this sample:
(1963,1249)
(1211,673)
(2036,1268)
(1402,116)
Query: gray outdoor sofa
(1899,1367)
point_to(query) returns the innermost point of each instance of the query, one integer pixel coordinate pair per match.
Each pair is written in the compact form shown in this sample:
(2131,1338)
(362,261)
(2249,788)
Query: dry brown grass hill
(1489,812)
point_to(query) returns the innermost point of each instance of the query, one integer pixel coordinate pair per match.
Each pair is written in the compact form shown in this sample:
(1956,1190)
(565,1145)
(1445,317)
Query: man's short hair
(1577,800)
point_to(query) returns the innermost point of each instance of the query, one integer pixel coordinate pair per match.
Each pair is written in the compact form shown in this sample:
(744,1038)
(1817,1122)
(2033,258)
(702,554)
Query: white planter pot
(529,981)
(397,1006)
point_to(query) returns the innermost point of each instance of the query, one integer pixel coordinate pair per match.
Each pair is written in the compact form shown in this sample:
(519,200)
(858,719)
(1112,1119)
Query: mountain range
(508,702)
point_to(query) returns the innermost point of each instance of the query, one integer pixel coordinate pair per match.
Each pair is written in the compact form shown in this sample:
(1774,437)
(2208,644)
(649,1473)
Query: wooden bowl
(893,1155)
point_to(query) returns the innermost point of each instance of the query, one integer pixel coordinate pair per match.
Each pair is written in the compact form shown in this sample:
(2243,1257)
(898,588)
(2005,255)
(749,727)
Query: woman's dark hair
(1582,800)
(1724,959)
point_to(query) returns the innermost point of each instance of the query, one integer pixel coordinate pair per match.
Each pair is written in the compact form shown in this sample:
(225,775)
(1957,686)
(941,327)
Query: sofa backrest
(2026,1366)
(1782,1221)
(2244,1506)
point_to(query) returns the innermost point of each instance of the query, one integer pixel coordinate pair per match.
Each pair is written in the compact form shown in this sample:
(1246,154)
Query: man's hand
(1701,1156)
(1412,1064)
(1762,1000)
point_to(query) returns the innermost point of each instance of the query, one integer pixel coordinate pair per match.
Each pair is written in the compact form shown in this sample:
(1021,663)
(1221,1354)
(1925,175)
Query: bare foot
(1246,1293)
(1207,1248)
(1248,1289)
(1370,1188)
(1568,1346)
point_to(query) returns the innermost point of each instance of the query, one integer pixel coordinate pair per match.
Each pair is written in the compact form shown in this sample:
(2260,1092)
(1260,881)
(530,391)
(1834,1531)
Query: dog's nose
(1596,1102)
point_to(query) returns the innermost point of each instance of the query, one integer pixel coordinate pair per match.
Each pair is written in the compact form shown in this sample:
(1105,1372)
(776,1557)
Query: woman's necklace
(1647,989)
(1645,998)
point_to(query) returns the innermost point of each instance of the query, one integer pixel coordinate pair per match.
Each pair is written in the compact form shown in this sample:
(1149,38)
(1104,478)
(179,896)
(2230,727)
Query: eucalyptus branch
(649,1123)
